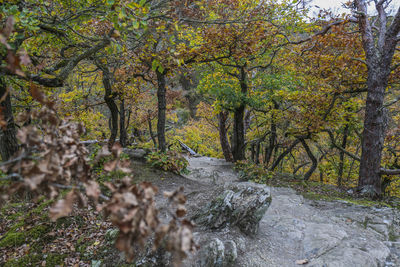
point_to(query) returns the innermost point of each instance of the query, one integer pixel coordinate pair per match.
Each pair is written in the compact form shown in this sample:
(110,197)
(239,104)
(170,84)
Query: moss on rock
(27,260)
(12,239)
(51,260)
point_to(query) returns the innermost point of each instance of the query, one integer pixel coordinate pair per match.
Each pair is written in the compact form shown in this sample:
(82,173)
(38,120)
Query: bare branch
(58,81)
(382,21)
(351,155)
(384,171)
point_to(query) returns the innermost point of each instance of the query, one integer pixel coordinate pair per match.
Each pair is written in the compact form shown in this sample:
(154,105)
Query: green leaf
(135,25)
(142,2)
(155,64)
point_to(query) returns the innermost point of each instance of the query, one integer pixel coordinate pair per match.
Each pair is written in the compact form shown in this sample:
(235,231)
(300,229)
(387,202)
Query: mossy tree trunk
(8,140)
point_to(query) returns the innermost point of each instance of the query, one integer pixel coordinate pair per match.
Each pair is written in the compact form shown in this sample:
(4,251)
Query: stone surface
(210,170)
(217,254)
(136,154)
(242,205)
(334,233)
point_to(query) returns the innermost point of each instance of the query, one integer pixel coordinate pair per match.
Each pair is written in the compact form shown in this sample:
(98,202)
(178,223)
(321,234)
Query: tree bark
(299,167)
(109,99)
(373,137)
(162,105)
(247,121)
(341,155)
(122,127)
(283,155)
(253,152)
(238,134)
(312,158)
(258,148)
(8,139)
(238,142)
(379,49)
(151,129)
(223,135)
(271,146)
(272,139)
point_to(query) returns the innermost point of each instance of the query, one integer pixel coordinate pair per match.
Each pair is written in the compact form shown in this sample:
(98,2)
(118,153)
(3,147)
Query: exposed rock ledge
(292,228)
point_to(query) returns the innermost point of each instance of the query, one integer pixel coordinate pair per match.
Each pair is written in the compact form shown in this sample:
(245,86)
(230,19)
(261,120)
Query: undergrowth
(168,161)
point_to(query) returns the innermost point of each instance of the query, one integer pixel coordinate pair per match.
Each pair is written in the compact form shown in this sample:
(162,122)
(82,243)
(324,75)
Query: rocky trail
(293,230)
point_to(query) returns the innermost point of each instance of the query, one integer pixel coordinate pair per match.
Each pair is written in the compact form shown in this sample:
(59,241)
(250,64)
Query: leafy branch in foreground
(52,159)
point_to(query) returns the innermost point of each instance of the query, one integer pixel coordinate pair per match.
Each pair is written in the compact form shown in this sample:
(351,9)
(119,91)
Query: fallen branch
(188,149)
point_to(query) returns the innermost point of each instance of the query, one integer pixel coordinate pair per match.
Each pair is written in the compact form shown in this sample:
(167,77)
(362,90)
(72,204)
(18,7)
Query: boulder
(137,154)
(242,205)
(217,254)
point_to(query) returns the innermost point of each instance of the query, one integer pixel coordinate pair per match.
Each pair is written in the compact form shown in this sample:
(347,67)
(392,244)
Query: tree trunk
(238,142)
(271,146)
(223,135)
(283,155)
(238,134)
(109,99)
(379,44)
(341,155)
(151,129)
(8,139)
(299,167)
(161,92)
(247,121)
(122,128)
(258,148)
(272,139)
(312,158)
(253,151)
(373,136)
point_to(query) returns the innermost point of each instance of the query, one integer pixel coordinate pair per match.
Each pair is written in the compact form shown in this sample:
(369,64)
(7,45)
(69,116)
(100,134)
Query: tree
(8,140)
(379,42)
(243,38)
(51,63)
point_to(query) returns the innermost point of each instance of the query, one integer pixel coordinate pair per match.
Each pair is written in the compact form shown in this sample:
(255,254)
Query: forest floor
(29,238)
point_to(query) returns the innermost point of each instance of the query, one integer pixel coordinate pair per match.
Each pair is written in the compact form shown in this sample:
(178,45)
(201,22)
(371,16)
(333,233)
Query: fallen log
(188,149)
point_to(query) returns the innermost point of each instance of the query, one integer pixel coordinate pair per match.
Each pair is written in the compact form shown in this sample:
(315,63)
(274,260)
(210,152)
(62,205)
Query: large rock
(217,254)
(292,230)
(242,205)
(137,154)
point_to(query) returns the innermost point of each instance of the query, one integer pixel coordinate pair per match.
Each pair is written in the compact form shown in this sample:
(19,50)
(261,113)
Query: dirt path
(323,233)
(293,228)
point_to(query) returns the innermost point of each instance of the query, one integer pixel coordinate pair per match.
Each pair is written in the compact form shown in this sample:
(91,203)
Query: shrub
(252,172)
(169,161)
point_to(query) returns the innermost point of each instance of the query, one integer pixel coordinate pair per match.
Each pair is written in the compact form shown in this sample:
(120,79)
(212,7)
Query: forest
(287,97)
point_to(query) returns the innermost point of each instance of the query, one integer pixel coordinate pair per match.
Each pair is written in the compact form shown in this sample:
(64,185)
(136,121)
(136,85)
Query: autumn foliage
(262,83)
(53,159)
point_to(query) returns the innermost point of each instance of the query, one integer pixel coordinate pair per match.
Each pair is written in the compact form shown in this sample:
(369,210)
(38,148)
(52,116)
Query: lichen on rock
(218,254)
(242,205)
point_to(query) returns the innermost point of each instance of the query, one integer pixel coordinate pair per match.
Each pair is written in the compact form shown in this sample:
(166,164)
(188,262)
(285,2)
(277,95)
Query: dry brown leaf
(36,93)
(24,57)
(302,262)
(93,190)
(116,149)
(8,29)
(63,207)
(35,180)
(181,211)
(110,166)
